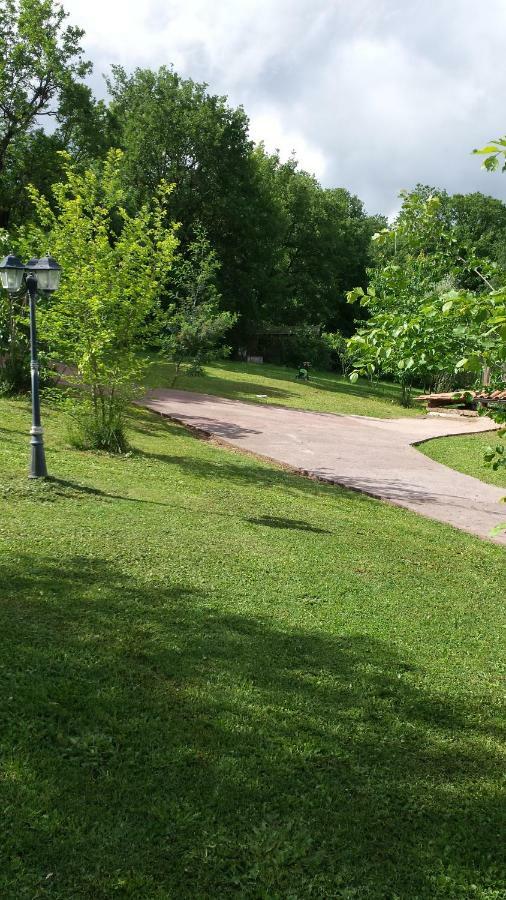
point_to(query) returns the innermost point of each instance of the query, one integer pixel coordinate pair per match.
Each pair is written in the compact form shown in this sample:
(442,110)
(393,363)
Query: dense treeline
(262,257)
(288,250)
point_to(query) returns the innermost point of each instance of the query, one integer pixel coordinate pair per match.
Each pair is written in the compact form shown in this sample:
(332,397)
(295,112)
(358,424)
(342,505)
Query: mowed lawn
(222,680)
(325,391)
(466,454)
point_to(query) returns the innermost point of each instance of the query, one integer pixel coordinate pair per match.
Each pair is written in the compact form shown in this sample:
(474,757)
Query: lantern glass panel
(11,279)
(48,279)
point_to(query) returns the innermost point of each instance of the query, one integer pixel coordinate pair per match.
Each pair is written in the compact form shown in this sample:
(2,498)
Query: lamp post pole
(38,467)
(39,275)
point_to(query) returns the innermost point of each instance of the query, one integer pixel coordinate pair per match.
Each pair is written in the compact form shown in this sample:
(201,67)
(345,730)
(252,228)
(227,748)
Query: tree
(40,60)
(476,223)
(319,248)
(415,331)
(495,153)
(14,357)
(35,157)
(324,248)
(173,128)
(115,266)
(288,250)
(196,326)
(480,222)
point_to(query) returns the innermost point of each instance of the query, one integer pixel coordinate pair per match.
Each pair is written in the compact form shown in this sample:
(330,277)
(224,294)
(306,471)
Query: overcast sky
(372,95)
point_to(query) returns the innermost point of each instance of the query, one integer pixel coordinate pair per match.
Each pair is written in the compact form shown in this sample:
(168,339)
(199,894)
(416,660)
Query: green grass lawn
(466,454)
(222,680)
(325,392)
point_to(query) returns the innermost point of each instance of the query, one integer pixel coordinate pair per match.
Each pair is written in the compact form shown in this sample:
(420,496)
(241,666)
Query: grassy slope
(223,680)
(465,453)
(326,392)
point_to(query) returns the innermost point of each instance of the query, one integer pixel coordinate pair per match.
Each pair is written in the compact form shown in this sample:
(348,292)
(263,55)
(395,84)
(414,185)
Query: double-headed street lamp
(38,275)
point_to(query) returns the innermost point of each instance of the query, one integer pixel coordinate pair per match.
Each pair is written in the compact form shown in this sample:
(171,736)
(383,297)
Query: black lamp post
(39,275)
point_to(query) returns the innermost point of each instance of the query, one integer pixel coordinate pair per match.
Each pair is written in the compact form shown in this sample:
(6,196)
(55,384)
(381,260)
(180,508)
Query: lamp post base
(38,467)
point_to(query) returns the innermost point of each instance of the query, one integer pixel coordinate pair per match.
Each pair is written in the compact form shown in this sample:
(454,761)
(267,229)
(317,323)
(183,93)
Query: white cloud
(266,126)
(373,96)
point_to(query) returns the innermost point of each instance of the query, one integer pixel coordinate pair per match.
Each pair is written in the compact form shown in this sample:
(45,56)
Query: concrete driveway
(374,456)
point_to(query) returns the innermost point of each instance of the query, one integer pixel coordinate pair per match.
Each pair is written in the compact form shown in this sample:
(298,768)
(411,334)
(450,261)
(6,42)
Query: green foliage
(495,315)
(40,60)
(422,322)
(496,456)
(341,356)
(15,377)
(294,345)
(34,158)
(495,153)
(88,430)
(14,354)
(14,369)
(196,326)
(288,250)
(322,249)
(322,246)
(173,128)
(115,266)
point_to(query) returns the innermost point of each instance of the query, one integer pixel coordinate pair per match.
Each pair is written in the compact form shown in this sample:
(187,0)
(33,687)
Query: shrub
(92,429)
(114,268)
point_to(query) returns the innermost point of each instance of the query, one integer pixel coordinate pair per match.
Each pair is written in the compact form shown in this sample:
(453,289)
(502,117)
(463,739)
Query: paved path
(374,456)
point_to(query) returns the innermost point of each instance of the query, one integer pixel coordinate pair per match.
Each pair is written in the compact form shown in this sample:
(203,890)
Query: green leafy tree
(318,247)
(41,60)
(475,223)
(174,128)
(324,249)
(196,325)
(34,158)
(15,325)
(115,266)
(339,347)
(414,331)
(495,154)
(288,250)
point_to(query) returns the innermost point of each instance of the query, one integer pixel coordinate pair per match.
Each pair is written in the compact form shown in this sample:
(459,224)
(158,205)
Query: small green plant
(341,356)
(196,326)
(88,430)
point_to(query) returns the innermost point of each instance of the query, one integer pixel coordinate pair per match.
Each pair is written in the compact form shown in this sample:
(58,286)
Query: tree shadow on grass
(217,384)
(324,381)
(242,473)
(244,388)
(217,428)
(74,489)
(11,435)
(156,745)
(290,524)
(231,466)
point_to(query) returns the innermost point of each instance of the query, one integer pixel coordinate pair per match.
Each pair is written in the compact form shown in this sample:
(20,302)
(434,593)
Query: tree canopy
(287,251)
(41,68)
